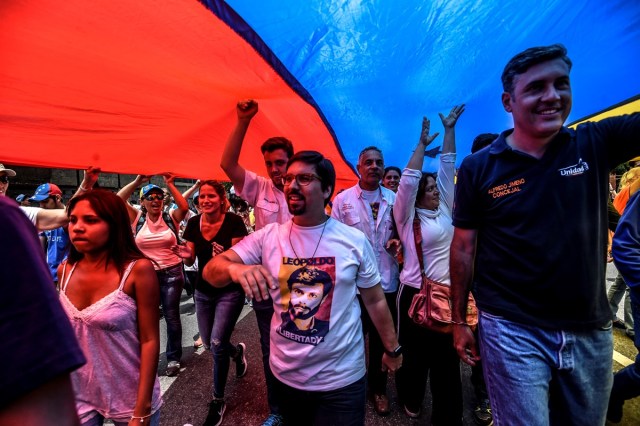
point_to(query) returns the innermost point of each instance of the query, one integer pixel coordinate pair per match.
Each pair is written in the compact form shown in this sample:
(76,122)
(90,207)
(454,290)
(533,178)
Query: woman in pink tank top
(155,232)
(110,292)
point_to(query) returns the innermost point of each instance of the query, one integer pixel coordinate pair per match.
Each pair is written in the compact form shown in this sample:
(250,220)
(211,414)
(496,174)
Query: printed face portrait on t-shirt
(308,296)
(305,299)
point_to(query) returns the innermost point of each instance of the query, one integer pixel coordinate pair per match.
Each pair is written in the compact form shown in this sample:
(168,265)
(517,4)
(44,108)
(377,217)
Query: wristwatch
(394,353)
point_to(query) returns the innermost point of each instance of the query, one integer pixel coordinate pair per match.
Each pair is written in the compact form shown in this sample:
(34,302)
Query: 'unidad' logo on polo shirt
(576,169)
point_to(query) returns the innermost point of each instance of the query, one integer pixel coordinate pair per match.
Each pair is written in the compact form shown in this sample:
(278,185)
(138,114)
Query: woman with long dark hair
(217,309)
(110,292)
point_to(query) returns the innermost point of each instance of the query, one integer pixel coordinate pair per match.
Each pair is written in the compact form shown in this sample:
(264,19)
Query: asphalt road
(186,396)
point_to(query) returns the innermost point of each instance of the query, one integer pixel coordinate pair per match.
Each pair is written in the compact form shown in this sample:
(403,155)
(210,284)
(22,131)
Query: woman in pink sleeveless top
(110,292)
(155,232)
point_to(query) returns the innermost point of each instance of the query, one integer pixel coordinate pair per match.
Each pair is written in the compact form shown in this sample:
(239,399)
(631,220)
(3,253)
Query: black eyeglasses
(154,198)
(303,179)
(4,179)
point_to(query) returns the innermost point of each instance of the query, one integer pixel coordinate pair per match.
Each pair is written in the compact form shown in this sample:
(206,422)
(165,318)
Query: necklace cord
(317,245)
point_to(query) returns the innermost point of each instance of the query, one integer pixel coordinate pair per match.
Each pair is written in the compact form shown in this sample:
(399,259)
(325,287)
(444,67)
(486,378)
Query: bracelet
(459,322)
(83,189)
(141,418)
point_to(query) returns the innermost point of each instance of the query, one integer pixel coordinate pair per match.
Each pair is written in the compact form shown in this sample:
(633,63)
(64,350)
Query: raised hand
(140,179)
(425,137)
(246,109)
(450,120)
(168,178)
(90,177)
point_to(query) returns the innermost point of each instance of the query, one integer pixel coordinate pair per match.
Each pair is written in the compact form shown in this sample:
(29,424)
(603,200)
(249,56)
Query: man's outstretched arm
(228,267)
(246,109)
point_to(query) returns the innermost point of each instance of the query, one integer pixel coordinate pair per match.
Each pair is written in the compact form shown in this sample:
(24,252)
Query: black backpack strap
(141,220)
(169,221)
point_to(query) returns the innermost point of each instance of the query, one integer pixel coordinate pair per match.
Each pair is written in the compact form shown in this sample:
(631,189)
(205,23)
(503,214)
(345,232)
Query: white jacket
(351,208)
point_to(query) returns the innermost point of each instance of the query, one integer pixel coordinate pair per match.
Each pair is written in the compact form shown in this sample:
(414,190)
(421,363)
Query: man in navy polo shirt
(531,237)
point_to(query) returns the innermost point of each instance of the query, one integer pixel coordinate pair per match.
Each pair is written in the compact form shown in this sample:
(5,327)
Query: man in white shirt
(269,206)
(368,206)
(328,364)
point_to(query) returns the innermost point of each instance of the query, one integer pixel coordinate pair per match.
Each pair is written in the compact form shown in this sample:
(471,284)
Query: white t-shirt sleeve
(31,212)
(250,247)
(368,274)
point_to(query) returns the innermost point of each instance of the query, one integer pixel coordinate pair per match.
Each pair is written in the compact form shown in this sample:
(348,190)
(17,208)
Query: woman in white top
(155,233)
(110,292)
(427,353)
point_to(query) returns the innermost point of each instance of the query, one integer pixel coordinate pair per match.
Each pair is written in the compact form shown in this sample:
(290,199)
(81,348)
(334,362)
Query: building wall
(27,179)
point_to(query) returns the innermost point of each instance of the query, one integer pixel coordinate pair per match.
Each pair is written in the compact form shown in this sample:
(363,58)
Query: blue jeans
(98,420)
(217,316)
(477,378)
(617,291)
(171,282)
(339,407)
(539,377)
(626,382)
(264,313)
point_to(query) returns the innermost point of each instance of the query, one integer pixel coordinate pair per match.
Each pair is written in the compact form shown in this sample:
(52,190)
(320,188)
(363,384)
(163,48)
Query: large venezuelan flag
(150,86)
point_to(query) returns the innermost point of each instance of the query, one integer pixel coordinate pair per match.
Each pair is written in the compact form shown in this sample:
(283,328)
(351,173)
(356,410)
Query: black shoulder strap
(141,220)
(169,221)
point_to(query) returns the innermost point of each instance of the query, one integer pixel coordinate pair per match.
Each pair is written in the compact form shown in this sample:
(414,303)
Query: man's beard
(301,205)
(298,210)
(303,315)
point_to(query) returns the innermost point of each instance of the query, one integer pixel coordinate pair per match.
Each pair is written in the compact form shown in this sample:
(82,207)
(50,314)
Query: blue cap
(148,188)
(20,197)
(44,191)
(196,195)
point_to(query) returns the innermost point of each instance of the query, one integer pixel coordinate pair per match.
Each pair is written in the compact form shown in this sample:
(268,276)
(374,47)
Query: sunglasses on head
(155,197)
(4,179)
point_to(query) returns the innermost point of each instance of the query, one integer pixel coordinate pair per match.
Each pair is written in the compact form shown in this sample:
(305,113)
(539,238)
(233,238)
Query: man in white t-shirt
(266,196)
(326,361)
(41,218)
(368,206)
